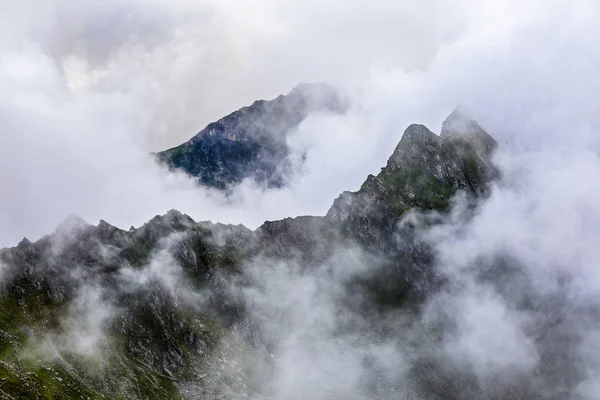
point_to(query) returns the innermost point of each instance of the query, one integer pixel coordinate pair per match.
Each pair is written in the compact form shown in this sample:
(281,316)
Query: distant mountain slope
(251,142)
(154,313)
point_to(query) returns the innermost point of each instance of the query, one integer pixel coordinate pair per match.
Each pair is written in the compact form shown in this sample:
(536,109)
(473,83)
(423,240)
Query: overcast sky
(89,88)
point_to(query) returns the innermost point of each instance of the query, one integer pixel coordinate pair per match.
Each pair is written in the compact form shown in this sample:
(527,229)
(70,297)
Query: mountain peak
(320,96)
(251,142)
(72,223)
(417,133)
(425,171)
(459,126)
(415,139)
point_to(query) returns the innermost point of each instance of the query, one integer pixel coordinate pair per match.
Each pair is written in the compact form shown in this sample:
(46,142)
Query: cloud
(86,323)
(164,270)
(308,340)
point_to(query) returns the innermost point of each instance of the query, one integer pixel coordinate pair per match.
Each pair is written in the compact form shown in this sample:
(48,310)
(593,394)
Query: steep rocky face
(424,172)
(166,310)
(85,315)
(251,142)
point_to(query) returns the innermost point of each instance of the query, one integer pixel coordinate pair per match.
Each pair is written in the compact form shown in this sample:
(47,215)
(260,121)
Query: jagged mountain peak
(417,133)
(69,230)
(414,140)
(417,140)
(103,225)
(24,243)
(251,142)
(73,222)
(423,172)
(172,218)
(265,118)
(458,123)
(459,126)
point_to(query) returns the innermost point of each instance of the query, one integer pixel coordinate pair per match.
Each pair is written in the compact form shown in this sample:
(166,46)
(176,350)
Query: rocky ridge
(149,313)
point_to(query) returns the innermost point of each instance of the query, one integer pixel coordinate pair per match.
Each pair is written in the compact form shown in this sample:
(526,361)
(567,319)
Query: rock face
(251,142)
(172,309)
(83,316)
(424,172)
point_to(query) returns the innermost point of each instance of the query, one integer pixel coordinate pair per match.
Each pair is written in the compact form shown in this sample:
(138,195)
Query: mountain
(251,142)
(350,305)
(185,309)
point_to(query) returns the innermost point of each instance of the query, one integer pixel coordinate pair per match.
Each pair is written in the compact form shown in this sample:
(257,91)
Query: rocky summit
(251,142)
(331,307)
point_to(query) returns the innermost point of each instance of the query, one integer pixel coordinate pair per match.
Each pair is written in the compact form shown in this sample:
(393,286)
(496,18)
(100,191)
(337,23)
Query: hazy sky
(90,87)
